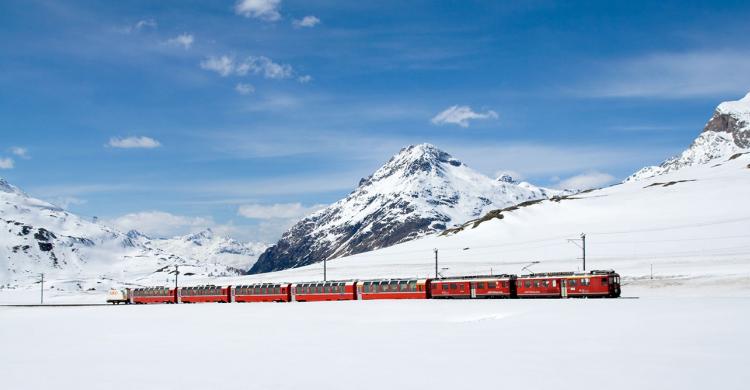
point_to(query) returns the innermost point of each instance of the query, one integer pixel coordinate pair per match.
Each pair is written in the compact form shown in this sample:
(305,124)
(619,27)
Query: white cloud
(184,40)
(20,152)
(259,65)
(586,181)
(223,65)
(307,21)
(67,201)
(461,115)
(6,163)
(304,79)
(674,75)
(244,89)
(259,9)
(277,211)
(134,142)
(138,26)
(161,223)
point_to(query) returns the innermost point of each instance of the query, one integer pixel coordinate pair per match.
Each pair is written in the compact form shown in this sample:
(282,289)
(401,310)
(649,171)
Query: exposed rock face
(420,190)
(725,134)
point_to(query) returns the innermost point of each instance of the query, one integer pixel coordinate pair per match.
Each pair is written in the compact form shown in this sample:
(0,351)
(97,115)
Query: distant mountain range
(420,190)
(38,237)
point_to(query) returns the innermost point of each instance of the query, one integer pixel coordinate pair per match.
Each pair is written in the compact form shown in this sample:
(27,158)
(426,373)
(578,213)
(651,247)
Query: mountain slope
(209,247)
(74,253)
(420,190)
(725,134)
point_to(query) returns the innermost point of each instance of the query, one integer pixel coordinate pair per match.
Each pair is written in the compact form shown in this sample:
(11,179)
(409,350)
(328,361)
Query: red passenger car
(569,284)
(263,292)
(394,289)
(323,291)
(205,294)
(492,286)
(593,284)
(153,295)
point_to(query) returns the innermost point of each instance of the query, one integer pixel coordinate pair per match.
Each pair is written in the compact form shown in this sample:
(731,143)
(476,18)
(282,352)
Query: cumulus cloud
(134,143)
(138,26)
(184,40)
(223,65)
(259,9)
(67,201)
(244,89)
(307,21)
(586,181)
(20,152)
(259,65)
(461,115)
(6,163)
(277,211)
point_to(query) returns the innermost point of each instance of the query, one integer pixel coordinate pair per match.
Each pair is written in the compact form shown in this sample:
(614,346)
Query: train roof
(586,273)
(473,277)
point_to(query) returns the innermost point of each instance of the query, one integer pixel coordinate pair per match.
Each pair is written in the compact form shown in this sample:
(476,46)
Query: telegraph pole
(582,246)
(176,273)
(42,290)
(325,270)
(583,241)
(436,262)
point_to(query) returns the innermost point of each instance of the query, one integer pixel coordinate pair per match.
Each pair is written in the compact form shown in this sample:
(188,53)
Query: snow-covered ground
(668,343)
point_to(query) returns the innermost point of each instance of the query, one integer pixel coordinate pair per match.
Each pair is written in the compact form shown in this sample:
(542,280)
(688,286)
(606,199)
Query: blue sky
(243,116)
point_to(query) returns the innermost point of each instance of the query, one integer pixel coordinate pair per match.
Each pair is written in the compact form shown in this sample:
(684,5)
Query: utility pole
(325,270)
(176,273)
(436,262)
(583,240)
(582,246)
(42,290)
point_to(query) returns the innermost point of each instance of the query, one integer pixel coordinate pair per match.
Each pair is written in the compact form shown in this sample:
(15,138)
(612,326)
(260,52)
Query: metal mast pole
(325,270)
(436,263)
(583,239)
(42,290)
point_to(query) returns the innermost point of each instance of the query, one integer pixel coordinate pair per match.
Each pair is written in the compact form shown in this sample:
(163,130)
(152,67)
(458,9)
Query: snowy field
(613,344)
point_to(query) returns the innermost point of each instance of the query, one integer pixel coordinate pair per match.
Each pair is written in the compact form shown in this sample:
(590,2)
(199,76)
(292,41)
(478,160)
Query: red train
(592,284)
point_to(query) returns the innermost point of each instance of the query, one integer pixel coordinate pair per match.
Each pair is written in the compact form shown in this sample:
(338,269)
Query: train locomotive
(591,284)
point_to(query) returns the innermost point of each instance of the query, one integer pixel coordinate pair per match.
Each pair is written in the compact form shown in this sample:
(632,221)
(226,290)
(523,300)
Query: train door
(563,288)
(293,293)
(473,290)
(232,294)
(358,290)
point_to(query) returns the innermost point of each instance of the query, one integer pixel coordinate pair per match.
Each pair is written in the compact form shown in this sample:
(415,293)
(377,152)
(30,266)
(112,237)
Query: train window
(536,283)
(453,286)
(480,285)
(527,283)
(413,286)
(545,283)
(604,281)
(493,284)
(572,283)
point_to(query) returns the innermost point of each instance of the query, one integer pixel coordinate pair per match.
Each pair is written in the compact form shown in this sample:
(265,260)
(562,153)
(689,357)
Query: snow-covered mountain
(420,190)
(726,134)
(76,253)
(207,246)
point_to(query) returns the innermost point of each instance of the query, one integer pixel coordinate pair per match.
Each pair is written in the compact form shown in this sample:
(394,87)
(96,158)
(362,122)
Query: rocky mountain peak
(9,188)
(420,190)
(726,133)
(506,178)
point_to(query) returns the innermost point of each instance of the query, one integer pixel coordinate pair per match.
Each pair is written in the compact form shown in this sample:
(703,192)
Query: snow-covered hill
(77,254)
(420,190)
(725,134)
